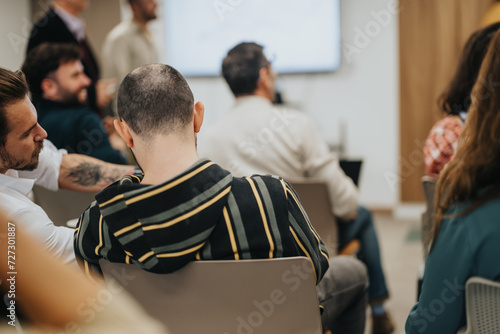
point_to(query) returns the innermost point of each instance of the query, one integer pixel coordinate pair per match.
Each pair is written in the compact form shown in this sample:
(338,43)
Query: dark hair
(44,59)
(155,99)
(13,88)
(241,67)
(457,97)
(477,160)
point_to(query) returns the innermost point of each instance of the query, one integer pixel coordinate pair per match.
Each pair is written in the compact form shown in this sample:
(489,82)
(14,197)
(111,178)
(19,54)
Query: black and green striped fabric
(202,214)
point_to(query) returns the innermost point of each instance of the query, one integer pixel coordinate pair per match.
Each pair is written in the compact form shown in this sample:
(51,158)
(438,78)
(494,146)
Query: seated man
(185,209)
(256,137)
(26,158)
(58,86)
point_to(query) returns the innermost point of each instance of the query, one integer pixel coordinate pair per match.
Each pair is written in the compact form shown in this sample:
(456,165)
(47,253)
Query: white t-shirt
(14,202)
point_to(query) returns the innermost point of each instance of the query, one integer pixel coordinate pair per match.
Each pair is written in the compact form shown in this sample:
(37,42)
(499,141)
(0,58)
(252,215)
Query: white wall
(362,95)
(15,18)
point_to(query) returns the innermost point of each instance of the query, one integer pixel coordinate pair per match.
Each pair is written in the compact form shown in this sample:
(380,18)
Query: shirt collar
(252,99)
(12,180)
(75,24)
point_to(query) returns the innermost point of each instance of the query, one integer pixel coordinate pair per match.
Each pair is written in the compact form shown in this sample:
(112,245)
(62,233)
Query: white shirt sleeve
(49,164)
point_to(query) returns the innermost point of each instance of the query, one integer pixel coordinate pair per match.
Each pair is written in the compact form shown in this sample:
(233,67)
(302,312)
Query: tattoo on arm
(89,174)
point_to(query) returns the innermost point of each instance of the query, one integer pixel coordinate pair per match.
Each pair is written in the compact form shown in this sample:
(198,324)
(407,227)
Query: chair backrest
(315,199)
(62,205)
(482,297)
(429,186)
(226,297)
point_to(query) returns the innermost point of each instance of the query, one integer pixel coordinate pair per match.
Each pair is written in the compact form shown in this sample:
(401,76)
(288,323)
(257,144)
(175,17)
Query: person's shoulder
(266,180)
(120,32)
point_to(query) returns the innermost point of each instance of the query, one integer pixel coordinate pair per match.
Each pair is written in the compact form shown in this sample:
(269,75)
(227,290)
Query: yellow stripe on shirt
(114,199)
(263,215)
(313,231)
(168,186)
(304,250)
(145,256)
(126,229)
(231,234)
(189,214)
(100,236)
(184,252)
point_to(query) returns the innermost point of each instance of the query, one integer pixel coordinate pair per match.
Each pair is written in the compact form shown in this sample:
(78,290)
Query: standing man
(27,158)
(130,44)
(58,86)
(62,24)
(256,137)
(185,209)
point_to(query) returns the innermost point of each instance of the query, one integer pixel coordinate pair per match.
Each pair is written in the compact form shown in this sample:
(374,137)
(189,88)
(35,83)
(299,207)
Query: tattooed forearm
(83,173)
(88,174)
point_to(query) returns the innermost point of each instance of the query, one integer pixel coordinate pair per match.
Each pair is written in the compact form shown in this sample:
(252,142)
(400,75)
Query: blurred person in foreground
(467,228)
(45,297)
(257,137)
(185,209)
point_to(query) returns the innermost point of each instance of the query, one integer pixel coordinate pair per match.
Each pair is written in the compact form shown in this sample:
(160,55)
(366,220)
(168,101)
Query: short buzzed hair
(155,99)
(241,67)
(13,88)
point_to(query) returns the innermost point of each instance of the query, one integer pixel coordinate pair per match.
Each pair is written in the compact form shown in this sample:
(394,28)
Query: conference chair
(482,304)
(429,186)
(225,297)
(63,205)
(427,223)
(315,200)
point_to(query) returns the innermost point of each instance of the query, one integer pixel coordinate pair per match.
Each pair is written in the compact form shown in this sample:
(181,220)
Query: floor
(401,248)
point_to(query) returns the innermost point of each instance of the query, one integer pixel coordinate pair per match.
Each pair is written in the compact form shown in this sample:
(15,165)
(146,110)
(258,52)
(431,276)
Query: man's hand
(83,173)
(105,90)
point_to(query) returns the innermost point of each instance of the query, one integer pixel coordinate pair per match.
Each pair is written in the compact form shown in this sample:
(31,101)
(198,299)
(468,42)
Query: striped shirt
(203,213)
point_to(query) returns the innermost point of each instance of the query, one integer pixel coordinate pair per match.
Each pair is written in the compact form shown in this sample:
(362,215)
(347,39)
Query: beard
(12,163)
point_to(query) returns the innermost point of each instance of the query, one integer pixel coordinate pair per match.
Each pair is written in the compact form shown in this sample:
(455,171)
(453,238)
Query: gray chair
(218,297)
(315,199)
(429,187)
(482,299)
(62,205)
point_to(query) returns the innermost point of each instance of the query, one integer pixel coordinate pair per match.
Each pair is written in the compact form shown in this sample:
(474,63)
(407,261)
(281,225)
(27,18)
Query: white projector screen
(297,35)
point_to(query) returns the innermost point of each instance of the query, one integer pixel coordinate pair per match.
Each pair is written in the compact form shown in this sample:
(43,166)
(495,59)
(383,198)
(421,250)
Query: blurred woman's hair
(457,96)
(476,164)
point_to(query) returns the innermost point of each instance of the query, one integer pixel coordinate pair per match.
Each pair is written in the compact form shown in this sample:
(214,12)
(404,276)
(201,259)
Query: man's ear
(123,130)
(198,114)
(49,88)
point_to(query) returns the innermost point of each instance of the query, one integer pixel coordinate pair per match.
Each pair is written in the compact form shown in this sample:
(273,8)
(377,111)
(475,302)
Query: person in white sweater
(257,137)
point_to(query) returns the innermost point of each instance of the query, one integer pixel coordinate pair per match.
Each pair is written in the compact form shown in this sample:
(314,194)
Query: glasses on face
(267,62)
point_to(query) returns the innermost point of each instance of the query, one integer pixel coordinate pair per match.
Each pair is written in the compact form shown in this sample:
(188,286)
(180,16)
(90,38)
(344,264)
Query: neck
(263,93)
(64,6)
(141,22)
(165,157)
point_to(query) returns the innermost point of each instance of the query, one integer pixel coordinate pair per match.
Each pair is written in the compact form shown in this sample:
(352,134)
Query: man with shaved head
(185,209)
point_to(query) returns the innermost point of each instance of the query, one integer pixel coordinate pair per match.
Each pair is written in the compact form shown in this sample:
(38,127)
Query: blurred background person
(130,43)
(441,144)
(467,228)
(58,86)
(62,24)
(292,149)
